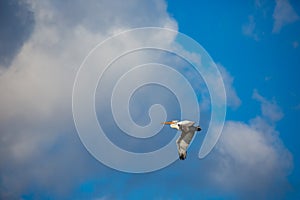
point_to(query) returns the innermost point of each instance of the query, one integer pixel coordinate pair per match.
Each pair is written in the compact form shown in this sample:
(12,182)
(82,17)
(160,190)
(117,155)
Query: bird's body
(188,130)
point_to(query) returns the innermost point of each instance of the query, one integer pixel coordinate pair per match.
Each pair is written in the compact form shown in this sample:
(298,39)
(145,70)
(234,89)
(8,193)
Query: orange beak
(168,123)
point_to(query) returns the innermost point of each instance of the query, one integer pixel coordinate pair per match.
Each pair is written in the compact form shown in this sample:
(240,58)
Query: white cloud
(252,160)
(249,160)
(283,14)
(36,117)
(270,109)
(232,98)
(249,29)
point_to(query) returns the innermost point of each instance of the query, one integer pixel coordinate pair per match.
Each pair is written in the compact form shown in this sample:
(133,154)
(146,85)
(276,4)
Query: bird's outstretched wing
(185,125)
(188,131)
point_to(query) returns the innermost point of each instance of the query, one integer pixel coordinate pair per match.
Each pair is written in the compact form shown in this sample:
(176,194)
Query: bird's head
(173,124)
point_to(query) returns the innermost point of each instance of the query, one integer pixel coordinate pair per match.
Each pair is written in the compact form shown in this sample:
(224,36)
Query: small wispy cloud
(270,109)
(283,14)
(232,98)
(249,28)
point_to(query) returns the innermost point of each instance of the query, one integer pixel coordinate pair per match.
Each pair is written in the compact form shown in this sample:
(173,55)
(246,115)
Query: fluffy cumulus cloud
(38,139)
(250,157)
(252,160)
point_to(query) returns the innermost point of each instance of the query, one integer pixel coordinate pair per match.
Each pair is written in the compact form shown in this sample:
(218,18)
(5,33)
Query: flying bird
(188,130)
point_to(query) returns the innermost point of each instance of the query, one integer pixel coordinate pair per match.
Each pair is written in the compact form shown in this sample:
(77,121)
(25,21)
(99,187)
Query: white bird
(188,130)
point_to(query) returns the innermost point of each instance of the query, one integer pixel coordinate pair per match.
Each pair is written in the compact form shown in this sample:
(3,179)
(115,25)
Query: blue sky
(256,47)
